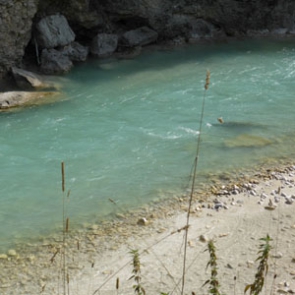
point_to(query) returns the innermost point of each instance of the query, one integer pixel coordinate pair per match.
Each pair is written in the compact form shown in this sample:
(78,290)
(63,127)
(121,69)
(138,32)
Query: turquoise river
(127,131)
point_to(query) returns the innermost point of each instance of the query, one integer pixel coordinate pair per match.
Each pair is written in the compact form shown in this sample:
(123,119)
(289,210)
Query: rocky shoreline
(50,37)
(53,35)
(90,251)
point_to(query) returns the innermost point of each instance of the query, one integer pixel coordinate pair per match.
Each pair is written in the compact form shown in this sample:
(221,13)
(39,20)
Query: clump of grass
(213,281)
(138,289)
(264,249)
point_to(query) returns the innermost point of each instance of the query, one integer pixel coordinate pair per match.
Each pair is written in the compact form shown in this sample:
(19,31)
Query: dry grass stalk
(54,255)
(63,176)
(207,80)
(194,172)
(67,225)
(43,288)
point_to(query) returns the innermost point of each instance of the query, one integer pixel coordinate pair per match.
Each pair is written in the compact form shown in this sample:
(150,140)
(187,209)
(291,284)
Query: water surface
(127,131)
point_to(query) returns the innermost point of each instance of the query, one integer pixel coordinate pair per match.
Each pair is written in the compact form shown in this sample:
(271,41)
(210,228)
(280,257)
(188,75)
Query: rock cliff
(16,19)
(169,19)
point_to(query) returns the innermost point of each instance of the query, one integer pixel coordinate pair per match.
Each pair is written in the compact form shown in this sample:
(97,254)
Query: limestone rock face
(104,44)
(16,17)
(14,99)
(85,14)
(53,31)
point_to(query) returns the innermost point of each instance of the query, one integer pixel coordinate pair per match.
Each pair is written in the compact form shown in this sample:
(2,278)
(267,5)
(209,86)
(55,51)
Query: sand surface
(235,219)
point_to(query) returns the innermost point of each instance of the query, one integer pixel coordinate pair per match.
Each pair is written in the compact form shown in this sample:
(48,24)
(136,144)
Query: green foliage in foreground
(213,281)
(138,289)
(265,247)
(255,288)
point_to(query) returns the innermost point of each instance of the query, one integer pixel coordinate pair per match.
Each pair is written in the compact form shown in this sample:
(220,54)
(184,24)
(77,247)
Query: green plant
(256,287)
(213,281)
(138,289)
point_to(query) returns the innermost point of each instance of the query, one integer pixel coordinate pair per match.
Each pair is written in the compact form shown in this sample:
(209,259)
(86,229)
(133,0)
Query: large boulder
(139,37)
(55,62)
(104,44)
(76,52)
(12,99)
(53,31)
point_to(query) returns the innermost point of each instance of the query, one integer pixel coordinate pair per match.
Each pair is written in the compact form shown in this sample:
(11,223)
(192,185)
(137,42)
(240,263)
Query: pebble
(217,206)
(3,256)
(289,201)
(203,238)
(11,253)
(142,221)
(281,291)
(31,258)
(277,255)
(94,227)
(191,244)
(264,196)
(5,286)
(270,205)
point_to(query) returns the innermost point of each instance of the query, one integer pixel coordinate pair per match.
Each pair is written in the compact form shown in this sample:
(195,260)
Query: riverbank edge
(30,259)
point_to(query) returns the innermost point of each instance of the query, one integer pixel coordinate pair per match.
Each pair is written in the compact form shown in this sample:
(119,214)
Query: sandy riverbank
(100,255)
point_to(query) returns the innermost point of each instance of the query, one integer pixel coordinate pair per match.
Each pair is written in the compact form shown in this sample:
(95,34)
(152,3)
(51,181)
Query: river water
(127,131)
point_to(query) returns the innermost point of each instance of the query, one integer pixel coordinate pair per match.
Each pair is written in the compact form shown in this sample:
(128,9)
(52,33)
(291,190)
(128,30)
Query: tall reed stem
(206,86)
(65,230)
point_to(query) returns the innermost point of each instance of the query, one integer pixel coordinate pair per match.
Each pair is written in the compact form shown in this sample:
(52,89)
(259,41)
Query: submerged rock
(248,140)
(14,99)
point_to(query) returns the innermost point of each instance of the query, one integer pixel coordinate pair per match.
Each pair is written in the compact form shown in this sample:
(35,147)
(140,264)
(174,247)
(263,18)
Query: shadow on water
(240,126)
